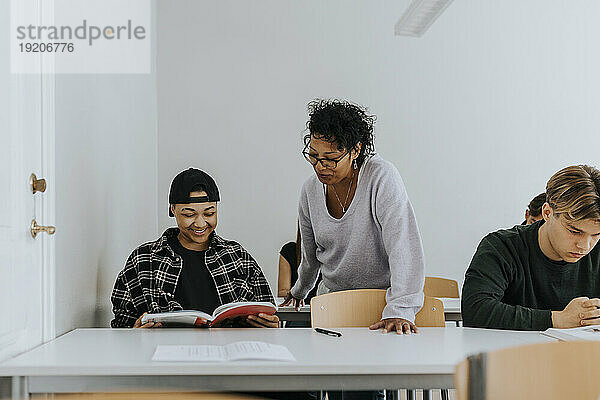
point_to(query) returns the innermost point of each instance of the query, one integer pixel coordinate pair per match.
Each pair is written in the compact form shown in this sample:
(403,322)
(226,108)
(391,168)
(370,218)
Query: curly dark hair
(341,122)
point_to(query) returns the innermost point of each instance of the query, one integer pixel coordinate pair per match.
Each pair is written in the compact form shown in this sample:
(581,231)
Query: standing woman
(357,224)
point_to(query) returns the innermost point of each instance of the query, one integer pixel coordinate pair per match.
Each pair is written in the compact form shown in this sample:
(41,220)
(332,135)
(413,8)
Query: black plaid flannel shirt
(149,279)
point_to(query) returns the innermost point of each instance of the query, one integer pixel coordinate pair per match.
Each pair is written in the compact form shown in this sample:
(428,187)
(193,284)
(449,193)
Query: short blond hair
(575,193)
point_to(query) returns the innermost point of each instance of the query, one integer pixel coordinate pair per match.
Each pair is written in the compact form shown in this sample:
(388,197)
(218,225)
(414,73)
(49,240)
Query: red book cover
(201,319)
(241,310)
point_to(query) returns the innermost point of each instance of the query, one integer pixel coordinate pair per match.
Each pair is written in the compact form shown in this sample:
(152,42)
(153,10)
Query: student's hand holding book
(262,321)
(400,325)
(151,324)
(289,299)
(580,311)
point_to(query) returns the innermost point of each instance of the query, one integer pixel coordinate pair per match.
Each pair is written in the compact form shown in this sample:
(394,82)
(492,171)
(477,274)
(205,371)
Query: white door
(26,279)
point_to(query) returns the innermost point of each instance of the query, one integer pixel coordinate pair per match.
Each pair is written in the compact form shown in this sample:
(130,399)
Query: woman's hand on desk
(138,323)
(289,299)
(263,321)
(400,325)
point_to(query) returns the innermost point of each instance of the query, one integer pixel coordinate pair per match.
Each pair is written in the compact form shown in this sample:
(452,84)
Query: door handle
(35,229)
(37,185)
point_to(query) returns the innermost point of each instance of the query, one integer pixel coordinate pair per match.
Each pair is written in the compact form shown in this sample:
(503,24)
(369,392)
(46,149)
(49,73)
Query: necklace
(347,194)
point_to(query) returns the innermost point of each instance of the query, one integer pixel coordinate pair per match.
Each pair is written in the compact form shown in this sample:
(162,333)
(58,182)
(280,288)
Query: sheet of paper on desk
(258,351)
(237,351)
(591,332)
(189,353)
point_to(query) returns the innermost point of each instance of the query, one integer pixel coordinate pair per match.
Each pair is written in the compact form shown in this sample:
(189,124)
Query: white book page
(181,316)
(258,351)
(227,306)
(202,353)
(591,332)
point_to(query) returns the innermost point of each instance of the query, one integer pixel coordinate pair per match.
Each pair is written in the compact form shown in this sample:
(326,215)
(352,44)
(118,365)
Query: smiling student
(543,275)
(356,221)
(189,267)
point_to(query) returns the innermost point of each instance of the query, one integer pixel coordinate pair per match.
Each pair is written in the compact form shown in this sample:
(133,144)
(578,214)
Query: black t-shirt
(196,288)
(288,251)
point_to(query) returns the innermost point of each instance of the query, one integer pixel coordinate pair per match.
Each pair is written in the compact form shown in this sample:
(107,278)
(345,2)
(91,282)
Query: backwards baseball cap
(188,181)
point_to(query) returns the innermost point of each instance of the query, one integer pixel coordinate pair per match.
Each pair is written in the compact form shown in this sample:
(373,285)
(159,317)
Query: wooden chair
(559,370)
(363,308)
(348,308)
(441,287)
(431,314)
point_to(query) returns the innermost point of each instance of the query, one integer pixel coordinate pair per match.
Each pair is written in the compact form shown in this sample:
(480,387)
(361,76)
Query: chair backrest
(559,370)
(441,287)
(347,308)
(431,314)
(363,307)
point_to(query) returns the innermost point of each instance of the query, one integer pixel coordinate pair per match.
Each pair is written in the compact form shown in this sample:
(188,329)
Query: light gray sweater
(376,244)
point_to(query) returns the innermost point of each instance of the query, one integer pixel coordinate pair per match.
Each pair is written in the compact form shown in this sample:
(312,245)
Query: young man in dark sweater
(534,277)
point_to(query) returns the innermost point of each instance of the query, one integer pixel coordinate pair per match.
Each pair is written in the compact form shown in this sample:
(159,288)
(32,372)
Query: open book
(591,332)
(201,319)
(237,351)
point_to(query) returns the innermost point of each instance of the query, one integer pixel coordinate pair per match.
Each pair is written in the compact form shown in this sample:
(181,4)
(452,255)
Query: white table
(451,309)
(101,360)
(288,313)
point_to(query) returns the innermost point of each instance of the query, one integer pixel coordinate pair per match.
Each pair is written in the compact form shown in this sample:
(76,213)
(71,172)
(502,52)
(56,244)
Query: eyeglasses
(329,163)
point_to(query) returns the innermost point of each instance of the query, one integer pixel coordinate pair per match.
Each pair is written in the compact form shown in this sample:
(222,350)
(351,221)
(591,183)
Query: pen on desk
(327,332)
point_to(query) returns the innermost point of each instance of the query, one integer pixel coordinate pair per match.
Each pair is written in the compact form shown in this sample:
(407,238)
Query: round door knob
(35,229)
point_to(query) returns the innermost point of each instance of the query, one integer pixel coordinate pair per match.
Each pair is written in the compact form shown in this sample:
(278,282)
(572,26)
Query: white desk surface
(103,359)
(451,305)
(305,308)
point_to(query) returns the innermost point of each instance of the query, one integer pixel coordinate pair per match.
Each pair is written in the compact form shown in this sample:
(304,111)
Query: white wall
(106,171)
(476,115)
(4,121)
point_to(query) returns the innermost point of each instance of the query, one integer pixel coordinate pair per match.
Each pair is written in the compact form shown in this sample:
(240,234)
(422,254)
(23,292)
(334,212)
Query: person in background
(289,260)
(357,224)
(533,213)
(189,267)
(543,275)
